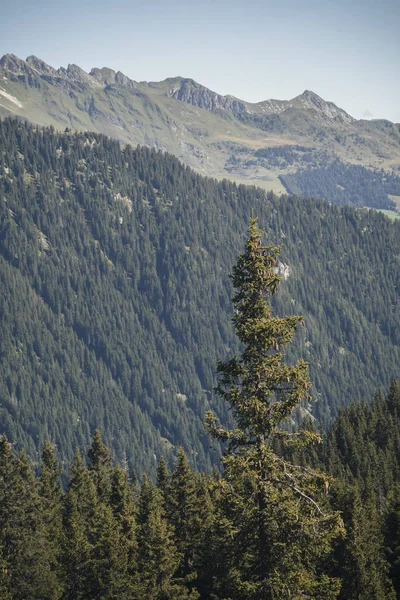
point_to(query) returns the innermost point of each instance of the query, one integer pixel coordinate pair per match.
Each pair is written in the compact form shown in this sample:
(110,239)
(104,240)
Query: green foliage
(195,537)
(392,536)
(158,557)
(362,451)
(51,508)
(345,184)
(25,565)
(115,303)
(281,530)
(261,388)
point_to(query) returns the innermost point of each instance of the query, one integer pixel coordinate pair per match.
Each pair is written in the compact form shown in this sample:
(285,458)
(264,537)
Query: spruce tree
(360,558)
(100,464)
(394,398)
(96,550)
(158,557)
(163,477)
(283,529)
(26,566)
(184,512)
(125,511)
(51,508)
(392,536)
(5,591)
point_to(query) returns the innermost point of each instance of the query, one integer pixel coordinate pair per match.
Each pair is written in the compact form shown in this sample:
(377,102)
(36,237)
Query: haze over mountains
(220,136)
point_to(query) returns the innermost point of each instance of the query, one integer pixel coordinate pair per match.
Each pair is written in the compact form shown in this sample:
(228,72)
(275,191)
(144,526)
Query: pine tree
(79,505)
(163,477)
(184,511)
(392,536)
(100,464)
(158,557)
(360,558)
(26,568)
(51,500)
(282,531)
(125,511)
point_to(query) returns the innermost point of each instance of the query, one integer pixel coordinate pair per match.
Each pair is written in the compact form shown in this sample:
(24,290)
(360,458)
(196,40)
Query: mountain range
(220,136)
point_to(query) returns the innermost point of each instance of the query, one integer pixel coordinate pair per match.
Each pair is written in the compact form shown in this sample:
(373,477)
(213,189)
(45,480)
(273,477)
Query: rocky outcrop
(311,100)
(33,69)
(13,64)
(20,70)
(108,77)
(40,66)
(191,92)
(187,90)
(306,101)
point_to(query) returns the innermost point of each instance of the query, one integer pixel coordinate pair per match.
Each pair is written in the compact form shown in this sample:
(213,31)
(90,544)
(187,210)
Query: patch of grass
(395,199)
(389,213)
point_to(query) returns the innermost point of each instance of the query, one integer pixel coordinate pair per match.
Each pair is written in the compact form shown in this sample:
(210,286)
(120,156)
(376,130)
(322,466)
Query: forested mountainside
(116,300)
(346,184)
(220,136)
(289,516)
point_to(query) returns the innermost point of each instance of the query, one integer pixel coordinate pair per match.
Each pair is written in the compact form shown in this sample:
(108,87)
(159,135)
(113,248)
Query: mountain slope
(216,135)
(115,301)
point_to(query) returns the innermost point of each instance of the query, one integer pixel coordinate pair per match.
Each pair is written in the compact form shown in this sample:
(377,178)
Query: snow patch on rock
(12,99)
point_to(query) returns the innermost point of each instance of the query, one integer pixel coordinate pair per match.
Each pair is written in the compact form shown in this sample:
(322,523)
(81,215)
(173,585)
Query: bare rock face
(108,77)
(40,66)
(20,70)
(13,64)
(78,75)
(192,93)
(187,90)
(311,100)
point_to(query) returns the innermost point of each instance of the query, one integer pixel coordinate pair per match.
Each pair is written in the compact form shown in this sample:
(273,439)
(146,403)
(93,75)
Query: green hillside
(116,300)
(218,136)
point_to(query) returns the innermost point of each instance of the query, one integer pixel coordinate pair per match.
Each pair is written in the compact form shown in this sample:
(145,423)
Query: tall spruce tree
(282,527)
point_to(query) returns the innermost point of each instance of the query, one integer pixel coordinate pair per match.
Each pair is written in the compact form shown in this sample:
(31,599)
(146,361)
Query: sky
(348,52)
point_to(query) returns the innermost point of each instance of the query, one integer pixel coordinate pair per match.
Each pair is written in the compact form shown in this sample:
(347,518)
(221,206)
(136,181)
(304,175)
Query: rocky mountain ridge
(185,90)
(216,135)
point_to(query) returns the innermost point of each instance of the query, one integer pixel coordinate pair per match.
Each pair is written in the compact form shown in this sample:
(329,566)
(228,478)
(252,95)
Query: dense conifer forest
(345,184)
(187,535)
(289,517)
(115,303)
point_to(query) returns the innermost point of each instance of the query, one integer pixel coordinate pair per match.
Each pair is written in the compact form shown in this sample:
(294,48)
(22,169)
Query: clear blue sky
(345,51)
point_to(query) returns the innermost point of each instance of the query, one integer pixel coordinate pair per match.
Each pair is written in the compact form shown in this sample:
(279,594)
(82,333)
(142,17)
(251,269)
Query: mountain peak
(310,100)
(12,63)
(310,94)
(108,77)
(40,66)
